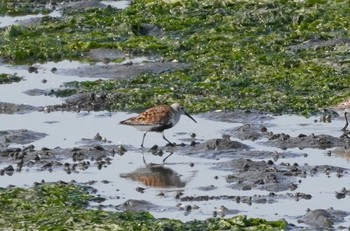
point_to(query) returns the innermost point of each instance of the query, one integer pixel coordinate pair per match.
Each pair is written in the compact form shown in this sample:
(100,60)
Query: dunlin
(157,119)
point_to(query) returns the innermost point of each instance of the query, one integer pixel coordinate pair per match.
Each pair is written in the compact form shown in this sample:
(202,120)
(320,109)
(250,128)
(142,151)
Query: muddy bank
(266,175)
(22,136)
(96,101)
(72,160)
(11,108)
(249,174)
(237,168)
(257,127)
(126,70)
(321,219)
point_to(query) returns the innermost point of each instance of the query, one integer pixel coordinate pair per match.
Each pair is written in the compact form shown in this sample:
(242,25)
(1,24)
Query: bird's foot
(167,157)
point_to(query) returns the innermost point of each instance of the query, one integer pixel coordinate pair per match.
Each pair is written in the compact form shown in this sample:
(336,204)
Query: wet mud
(256,163)
(321,219)
(126,70)
(284,141)
(249,163)
(96,101)
(247,168)
(71,160)
(22,136)
(265,175)
(11,108)
(273,173)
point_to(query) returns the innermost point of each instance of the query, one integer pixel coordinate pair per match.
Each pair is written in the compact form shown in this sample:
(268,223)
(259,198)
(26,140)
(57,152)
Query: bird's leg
(143,156)
(144,159)
(167,139)
(167,157)
(143,139)
(346,122)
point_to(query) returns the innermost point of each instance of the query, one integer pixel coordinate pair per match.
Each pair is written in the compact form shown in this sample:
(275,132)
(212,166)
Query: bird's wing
(156,115)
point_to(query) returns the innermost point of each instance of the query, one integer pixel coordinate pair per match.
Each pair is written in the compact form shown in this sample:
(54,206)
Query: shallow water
(68,129)
(15,20)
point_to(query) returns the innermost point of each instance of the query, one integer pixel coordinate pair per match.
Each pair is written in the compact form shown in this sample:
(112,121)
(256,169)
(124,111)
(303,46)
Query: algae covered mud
(61,145)
(273,55)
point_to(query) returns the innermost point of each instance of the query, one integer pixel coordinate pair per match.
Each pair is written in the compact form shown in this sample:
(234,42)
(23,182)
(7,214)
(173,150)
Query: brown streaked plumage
(157,119)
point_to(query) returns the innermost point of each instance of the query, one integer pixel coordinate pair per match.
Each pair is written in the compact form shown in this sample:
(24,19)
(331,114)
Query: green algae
(62,206)
(22,7)
(244,54)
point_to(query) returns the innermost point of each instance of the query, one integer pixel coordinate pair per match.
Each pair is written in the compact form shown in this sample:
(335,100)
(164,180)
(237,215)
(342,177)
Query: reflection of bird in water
(342,152)
(346,122)
(158,152)
(155,176)
(157,119)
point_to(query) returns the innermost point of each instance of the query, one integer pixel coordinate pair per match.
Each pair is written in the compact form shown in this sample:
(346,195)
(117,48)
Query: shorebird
(157,119)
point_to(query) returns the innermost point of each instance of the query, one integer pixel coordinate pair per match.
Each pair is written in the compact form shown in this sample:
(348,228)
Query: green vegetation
(61,206)
(9,78)
(275,55)
(22,7)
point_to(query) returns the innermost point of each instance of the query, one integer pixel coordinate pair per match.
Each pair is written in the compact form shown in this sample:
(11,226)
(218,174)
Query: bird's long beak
(188,115)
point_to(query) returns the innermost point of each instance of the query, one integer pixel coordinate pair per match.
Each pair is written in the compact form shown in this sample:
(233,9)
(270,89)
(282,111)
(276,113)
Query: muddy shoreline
(59,121)
(246,167)
(257,158)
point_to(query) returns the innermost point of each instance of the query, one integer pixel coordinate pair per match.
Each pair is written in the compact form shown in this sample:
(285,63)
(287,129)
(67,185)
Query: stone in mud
(10,108)
(147,29)
(79,98)
(249,132)
(323,219)
(22,136)
(259,174)
(36,92)
(222,211)
(222,144)
(207,188)
(215,148)
(342,193)
(140,206)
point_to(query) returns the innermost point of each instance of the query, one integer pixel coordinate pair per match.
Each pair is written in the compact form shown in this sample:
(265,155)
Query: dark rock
(323,219)
(21,136)
(10,108)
